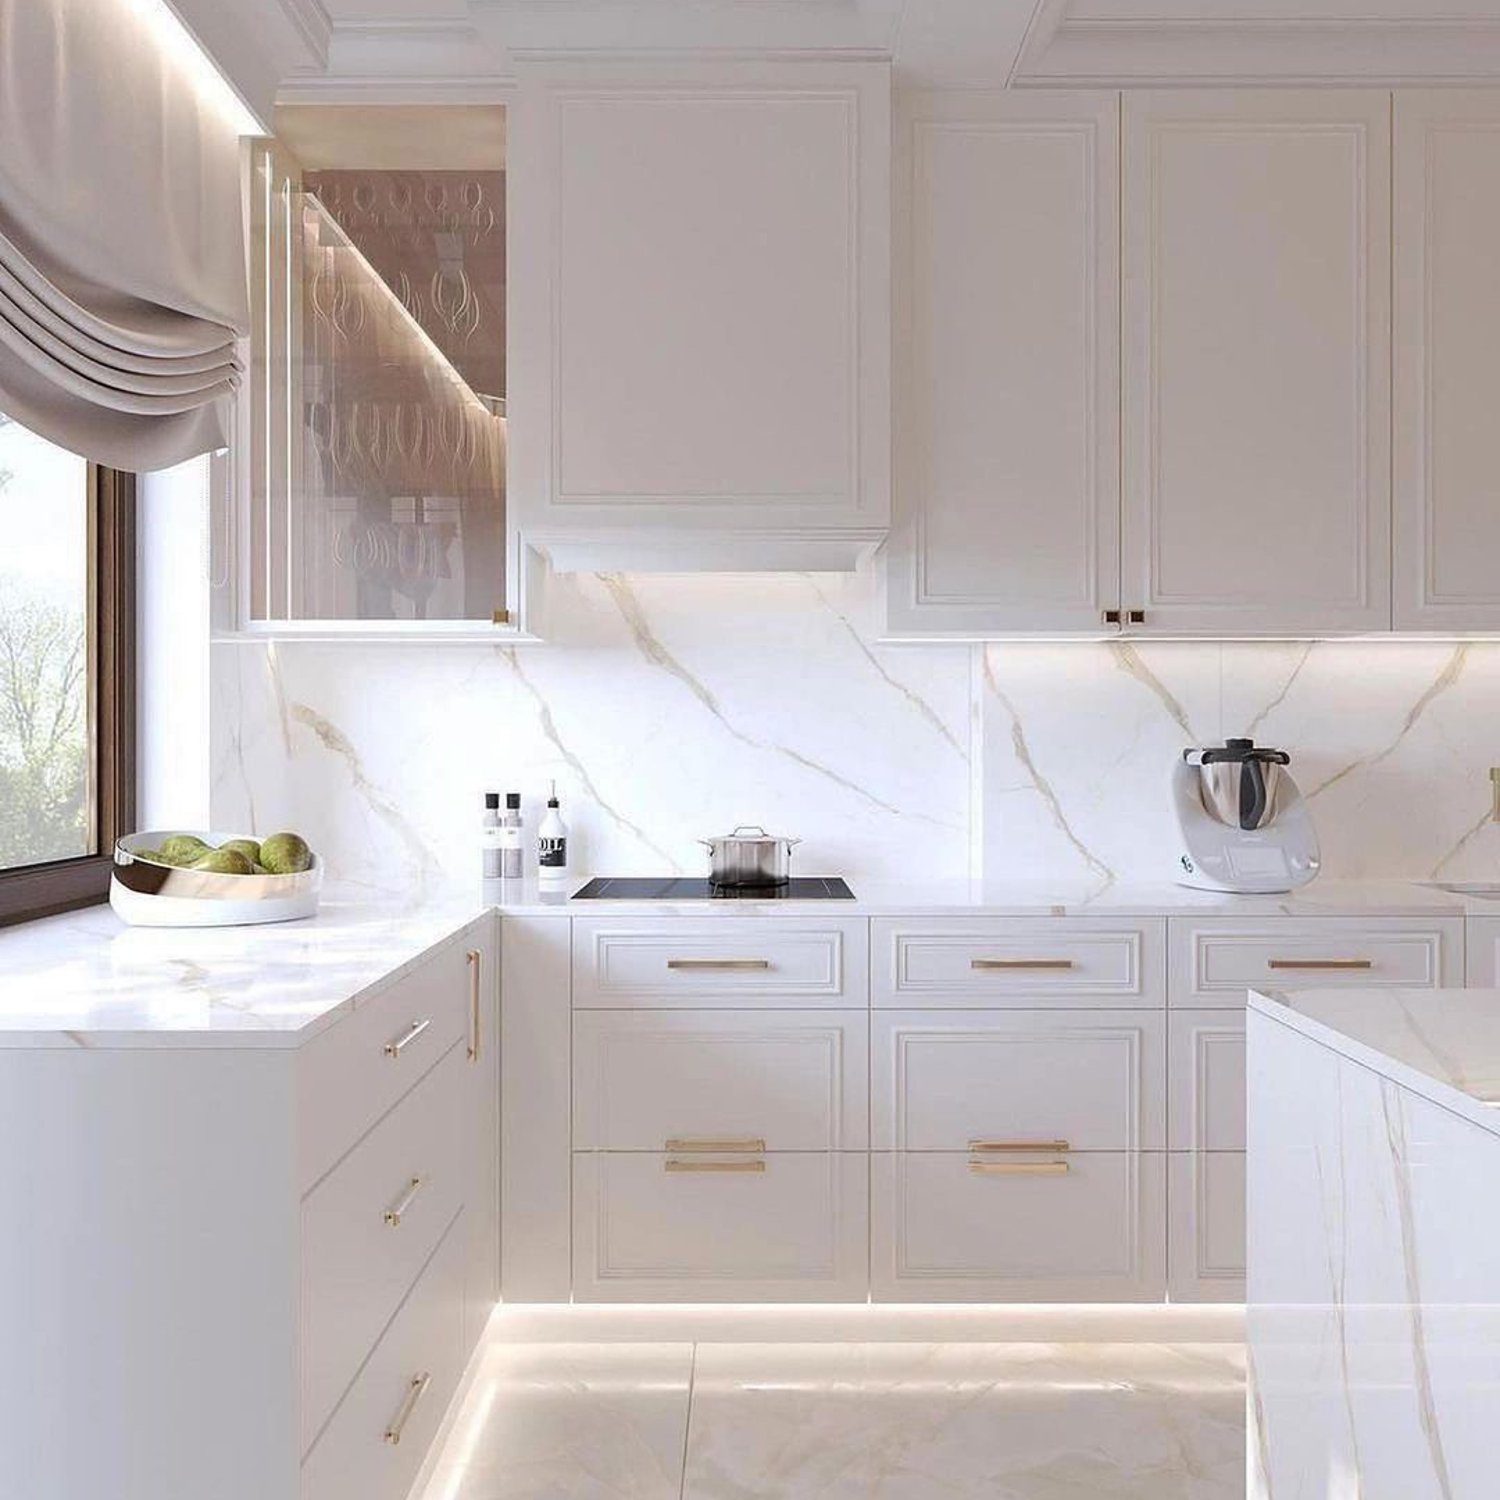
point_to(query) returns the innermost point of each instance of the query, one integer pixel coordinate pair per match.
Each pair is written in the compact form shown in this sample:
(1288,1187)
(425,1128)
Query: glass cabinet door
(378,422)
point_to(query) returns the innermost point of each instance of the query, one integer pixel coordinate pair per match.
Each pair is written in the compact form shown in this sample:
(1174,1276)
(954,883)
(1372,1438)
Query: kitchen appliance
(1242,823)
(686,888)
(749,856)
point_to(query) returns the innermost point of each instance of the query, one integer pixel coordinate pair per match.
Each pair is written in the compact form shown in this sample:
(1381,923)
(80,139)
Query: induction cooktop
(684,888)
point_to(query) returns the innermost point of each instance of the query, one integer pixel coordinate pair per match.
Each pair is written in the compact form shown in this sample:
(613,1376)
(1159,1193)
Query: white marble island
(1374,1244)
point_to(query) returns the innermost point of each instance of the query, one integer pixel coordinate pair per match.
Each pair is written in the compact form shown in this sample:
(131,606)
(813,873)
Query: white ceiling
(453,48)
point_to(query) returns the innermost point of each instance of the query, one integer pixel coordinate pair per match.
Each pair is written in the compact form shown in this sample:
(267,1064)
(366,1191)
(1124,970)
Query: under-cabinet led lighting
(173,37)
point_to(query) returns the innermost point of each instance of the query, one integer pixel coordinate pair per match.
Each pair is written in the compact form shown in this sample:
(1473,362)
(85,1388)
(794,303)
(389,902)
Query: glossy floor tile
(548,1421)
(767,1421)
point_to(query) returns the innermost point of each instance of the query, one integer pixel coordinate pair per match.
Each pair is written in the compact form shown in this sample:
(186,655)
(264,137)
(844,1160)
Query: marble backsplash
(669,707)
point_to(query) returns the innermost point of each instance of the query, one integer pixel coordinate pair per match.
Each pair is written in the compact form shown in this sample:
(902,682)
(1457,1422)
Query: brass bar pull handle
(474,961)
(728,964)
(1000,1146)
(1020,963)
(398,1210)
(721,1145)
(1320,963)
(673,1165)
(402,1042)
(1019,1168)
(414,1393)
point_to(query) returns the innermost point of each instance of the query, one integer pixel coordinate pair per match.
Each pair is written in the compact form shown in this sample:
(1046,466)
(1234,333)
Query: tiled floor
(838,1421)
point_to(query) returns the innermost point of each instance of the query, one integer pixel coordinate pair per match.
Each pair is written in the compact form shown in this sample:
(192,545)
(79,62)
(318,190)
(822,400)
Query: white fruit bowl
(152,895)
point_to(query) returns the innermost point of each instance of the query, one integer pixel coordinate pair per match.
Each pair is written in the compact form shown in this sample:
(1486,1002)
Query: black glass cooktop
(682,888)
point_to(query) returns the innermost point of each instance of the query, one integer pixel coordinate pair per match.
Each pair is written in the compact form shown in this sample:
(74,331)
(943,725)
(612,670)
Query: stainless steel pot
(749,856)
(1240,782)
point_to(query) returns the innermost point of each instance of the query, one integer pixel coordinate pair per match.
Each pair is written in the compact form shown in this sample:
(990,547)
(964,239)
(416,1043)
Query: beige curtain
(122,266)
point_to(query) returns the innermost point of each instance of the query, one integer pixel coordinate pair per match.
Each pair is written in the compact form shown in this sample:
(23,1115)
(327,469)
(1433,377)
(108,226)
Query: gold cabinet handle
(414,1393)
(1019,1168)
(1320,963)
(474,962)
(1020,963)
(743,964)
(998,1146)
(723,1145)
(672,1164)
(401,1043)
(398,1210)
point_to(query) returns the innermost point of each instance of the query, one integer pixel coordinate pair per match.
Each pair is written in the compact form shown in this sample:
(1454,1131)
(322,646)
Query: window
(67,673)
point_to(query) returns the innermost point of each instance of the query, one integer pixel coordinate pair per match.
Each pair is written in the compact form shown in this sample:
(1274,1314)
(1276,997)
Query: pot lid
(750,833)
(1233,752)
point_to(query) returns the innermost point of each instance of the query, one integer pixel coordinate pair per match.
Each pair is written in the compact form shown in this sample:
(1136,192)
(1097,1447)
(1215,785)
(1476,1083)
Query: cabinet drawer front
(1206,1066)
(356,1070)
(783,1081)
(794,1227)
(1216,963)
(354,1455)
(369,1227)
(1095,1080)
(1207,1235)
(944,1231)
(999,961)
(749,961)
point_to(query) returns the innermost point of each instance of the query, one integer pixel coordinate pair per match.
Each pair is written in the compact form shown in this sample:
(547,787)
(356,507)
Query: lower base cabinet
(1206,1257)
(948,1227)
(386,1422)
(784,1226)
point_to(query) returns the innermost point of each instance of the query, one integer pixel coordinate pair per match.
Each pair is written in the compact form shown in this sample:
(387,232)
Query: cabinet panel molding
(1256,361)
(1007,327)
(1447,360)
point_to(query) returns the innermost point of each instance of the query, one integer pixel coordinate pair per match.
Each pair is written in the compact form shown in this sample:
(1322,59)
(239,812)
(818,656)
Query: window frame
(41,890)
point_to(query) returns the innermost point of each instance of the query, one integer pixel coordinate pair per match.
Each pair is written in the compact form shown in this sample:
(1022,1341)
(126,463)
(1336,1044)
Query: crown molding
(1208,51)
(313,24)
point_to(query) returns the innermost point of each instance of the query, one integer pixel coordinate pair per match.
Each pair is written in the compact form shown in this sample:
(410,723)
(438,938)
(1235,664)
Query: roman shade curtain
(122,263)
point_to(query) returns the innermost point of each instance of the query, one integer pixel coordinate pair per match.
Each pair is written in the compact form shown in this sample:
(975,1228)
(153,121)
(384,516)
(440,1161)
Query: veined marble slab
(1374,1262)
(1441,1044)
(87,980)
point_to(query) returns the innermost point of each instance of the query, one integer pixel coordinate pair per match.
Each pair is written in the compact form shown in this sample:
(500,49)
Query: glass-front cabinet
(374,495)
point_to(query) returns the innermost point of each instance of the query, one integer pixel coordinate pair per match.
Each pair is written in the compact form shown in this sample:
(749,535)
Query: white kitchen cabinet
(782,1226)
(1256,378)
(1483,951)
(697,962)
(996,1081)
(1206,1232)
(790,1081)
(1216,962)
(700,306)
(249,1257)
(984,962)
(954,1227)
(1447,360)
(1007,331)
(1206,1168)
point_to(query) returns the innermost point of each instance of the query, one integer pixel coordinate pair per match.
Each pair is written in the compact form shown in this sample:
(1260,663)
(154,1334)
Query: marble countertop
(87,980)
(1441,1044)
(960,898)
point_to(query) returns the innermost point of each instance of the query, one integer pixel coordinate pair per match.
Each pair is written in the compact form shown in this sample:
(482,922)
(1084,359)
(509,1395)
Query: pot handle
(749,828)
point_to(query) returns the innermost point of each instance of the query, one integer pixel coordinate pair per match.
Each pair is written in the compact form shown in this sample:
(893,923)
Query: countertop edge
(1271,1005)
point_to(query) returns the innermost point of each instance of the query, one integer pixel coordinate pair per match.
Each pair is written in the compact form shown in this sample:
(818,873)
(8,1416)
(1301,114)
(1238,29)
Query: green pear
(224,862)
(248,847)
(285,854)
(183,848)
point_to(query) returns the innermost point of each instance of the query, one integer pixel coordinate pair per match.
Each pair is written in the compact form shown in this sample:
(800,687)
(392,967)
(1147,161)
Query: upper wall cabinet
(1447,363)
(700,312)
(1007,323)
(373,481)
(1256,362)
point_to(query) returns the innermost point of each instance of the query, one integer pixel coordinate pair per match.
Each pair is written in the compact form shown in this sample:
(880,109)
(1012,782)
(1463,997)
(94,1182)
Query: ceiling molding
(313,24)
(1047,17)
(1210,51)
